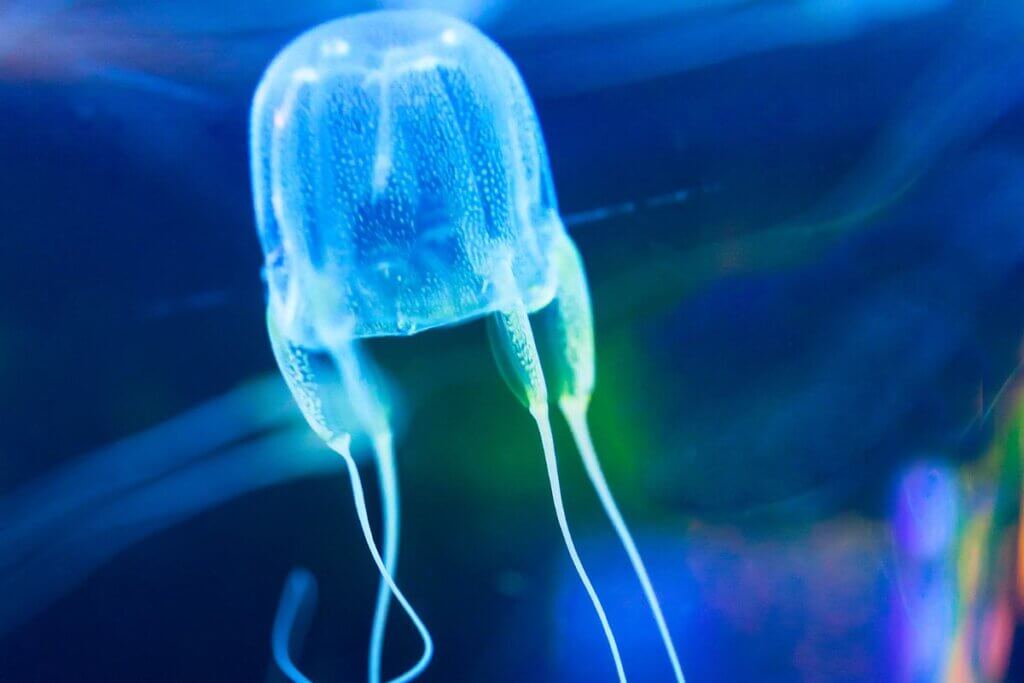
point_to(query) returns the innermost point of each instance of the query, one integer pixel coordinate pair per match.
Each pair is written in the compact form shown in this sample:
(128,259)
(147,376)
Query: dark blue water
(805,275)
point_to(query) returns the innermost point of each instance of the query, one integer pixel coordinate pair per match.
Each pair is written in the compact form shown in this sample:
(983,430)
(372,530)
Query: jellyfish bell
(400,176)
(401,183)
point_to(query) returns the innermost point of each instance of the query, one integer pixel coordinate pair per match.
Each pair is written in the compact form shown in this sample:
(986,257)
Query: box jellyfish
(401,183)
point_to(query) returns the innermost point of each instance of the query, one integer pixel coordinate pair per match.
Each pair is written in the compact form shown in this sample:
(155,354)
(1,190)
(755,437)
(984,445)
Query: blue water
(802,229)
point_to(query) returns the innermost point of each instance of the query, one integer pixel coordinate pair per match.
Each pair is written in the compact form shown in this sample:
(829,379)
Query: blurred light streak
(583,45)
(963,94)
(924,524)
(58,529)
(986,554)
(617,43)
(71,553)
(108,472)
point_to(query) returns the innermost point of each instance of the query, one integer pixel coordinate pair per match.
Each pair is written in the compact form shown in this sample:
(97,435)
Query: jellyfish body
(399,172)
(401,183)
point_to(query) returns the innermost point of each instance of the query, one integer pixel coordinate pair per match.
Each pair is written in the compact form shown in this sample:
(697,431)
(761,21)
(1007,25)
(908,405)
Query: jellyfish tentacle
(570,324)
(388,482)
(516,353)
(341,446)
(304,382)
(544,425)
(577,421)
(364,395)
(318,404)
(364,392)
(294,613)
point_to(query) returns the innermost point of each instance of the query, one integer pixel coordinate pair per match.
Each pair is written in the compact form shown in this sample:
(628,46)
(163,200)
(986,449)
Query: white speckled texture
(399,176)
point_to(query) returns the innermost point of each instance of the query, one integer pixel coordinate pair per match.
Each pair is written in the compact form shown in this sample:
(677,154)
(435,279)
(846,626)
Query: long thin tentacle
(544,425)
(516,353)
(341,447)
(570,330)
(575,415)
(390,504)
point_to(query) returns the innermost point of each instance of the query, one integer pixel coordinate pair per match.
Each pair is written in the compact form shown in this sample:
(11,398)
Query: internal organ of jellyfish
(401,183)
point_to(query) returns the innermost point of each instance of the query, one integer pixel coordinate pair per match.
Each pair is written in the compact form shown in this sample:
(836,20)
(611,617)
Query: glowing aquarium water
(798,341)
(401,183)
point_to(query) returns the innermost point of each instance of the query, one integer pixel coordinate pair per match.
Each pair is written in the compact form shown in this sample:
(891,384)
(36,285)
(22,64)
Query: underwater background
(803,224)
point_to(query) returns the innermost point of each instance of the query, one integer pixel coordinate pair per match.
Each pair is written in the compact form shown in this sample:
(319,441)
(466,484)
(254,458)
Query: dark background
(836,297)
